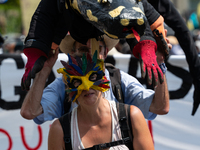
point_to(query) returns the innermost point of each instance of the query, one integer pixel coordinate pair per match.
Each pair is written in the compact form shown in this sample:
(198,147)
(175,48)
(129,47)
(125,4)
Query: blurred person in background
(196,36)
(1,43)
(3,1)
(13,44)
(176,48)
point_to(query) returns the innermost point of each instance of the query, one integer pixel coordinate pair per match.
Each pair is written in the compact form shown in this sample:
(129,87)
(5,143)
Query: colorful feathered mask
(83,74)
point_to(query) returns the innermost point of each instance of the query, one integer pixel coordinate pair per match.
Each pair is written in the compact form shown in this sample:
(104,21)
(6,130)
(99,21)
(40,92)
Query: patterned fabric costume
(53,19)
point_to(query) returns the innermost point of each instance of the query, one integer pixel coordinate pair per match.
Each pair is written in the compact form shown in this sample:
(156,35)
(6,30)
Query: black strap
(125,123)
(108,145)
(65,122)
(115,78)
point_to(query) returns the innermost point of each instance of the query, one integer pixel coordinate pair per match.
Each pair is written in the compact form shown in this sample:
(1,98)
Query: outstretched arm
(160,103)
(31,106)
(142,138)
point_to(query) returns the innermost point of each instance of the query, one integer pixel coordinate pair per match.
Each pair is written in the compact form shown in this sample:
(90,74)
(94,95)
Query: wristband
(163,67)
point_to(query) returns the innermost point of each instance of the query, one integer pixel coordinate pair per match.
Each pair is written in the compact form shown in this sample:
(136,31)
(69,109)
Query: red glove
(36,59)
(146,52)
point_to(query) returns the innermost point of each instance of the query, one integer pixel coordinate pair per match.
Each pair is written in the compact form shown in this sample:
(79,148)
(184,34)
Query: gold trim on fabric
(74,4)
(91,17)
(138,10)
(130,36)
(116,12)
(140,21)
(110,35)
(124,22)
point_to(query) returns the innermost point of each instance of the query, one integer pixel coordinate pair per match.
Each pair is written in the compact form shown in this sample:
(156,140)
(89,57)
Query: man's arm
(31,106)
(160,103)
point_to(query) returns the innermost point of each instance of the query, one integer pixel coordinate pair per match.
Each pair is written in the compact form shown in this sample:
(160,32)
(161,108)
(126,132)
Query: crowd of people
(94,104)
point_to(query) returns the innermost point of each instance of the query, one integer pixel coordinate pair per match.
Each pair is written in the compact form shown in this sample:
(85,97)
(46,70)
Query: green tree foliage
(10,17)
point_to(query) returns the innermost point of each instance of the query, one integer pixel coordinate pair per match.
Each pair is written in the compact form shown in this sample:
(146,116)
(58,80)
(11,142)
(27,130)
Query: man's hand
(162,43)
(146,52)
(36,59)
(53,55)
(31,106)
